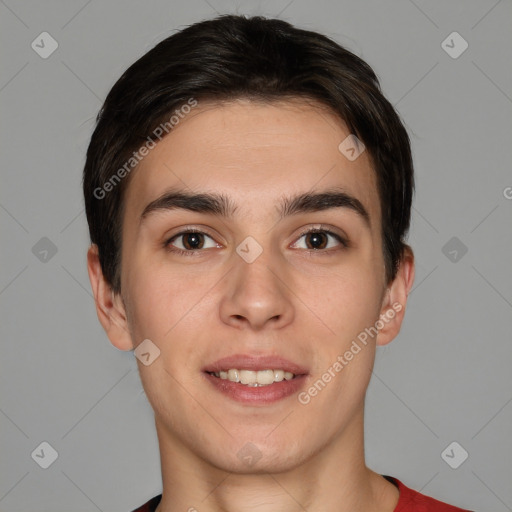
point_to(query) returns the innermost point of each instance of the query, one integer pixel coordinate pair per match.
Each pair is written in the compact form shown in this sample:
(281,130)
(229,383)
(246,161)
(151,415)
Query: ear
(109,306)
(394,302)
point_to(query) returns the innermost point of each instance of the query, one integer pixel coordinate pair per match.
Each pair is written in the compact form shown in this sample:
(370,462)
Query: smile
(254,378)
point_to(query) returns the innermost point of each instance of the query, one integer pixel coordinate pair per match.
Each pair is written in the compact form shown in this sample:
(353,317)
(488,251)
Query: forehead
(253,152)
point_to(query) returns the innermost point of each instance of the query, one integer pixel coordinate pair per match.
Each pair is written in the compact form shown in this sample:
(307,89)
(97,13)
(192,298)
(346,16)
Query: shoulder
(413,501)
(149,506)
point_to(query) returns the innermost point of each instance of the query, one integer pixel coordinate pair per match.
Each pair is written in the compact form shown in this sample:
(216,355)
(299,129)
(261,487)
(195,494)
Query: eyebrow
(221,205)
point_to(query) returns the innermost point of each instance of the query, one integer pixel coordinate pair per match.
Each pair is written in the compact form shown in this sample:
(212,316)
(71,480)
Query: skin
(305,305)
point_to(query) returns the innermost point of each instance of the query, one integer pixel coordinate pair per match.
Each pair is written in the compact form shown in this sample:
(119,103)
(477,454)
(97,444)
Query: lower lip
(257,395)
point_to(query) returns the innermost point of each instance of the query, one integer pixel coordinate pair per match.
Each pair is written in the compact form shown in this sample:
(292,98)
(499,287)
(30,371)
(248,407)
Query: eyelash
(194,252)
(343,241)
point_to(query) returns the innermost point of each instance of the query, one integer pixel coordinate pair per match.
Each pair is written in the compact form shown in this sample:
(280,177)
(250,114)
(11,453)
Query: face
(275,269)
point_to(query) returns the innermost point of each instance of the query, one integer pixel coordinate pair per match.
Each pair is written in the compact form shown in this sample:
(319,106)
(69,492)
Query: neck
(334,479)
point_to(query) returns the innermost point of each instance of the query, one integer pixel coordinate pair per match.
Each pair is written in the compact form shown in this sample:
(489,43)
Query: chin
(254,457)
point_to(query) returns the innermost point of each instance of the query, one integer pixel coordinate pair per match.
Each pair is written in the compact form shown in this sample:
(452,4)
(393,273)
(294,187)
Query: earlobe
(395,300)
(109,307)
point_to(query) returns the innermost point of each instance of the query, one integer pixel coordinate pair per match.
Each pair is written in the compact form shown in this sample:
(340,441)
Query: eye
(318,239)
(187,242)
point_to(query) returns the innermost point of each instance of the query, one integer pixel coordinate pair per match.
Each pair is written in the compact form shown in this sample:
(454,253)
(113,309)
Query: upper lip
(255,363)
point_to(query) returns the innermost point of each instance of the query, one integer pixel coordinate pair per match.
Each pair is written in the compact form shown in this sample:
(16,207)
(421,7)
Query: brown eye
(193,241)
(319,240)
(190,241)
(316,240)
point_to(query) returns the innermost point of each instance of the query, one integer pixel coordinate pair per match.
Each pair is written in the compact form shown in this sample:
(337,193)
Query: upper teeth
(252,378)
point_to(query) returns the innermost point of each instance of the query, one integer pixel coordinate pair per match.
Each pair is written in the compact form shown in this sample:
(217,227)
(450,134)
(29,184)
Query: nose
(257,296)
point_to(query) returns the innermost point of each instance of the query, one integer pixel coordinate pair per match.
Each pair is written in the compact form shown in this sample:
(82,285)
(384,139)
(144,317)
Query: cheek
(346,300)
(168,308)
(167,302)
(349,304)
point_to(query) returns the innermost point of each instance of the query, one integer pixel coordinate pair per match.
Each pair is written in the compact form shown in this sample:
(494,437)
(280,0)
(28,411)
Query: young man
(248,192)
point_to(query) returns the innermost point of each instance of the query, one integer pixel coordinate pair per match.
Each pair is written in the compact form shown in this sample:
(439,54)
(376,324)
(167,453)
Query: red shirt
(409,501)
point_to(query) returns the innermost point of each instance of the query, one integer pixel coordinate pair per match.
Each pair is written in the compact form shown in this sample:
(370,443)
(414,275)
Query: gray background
(445,378)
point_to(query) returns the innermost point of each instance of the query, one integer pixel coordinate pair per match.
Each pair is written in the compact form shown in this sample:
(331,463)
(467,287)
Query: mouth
(255,380)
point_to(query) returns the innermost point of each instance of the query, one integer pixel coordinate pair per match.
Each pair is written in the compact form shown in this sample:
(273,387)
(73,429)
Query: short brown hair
(232,57)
